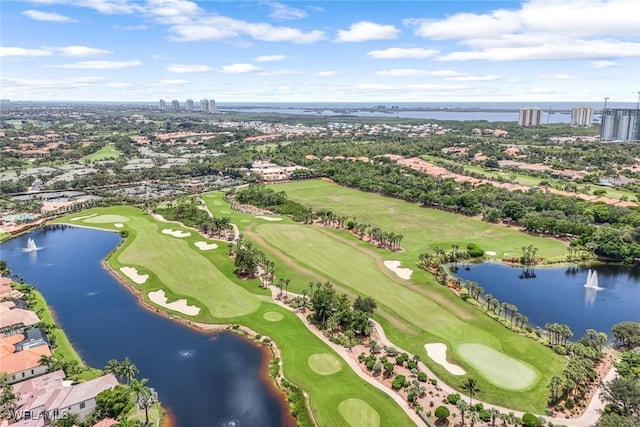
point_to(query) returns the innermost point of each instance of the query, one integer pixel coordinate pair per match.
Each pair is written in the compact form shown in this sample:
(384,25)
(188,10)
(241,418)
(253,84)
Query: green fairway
(324,364)
(109,151)
(104,219)
(206,279)
(358,413)
(421,227)
(497,367)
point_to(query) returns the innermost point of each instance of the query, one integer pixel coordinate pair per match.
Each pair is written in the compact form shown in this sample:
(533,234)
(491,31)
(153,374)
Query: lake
(559,294)
(204,379)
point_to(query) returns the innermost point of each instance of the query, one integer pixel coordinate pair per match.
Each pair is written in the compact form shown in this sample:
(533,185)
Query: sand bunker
(204,246)
(403,273)
(175,233)
(118,225)
(132,273)
(438,353)
(78,218)
(491,253)
(159,217)
(269,218)
(181,306)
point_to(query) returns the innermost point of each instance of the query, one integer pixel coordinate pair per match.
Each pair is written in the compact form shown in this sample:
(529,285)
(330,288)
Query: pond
(559,294)
(204,379)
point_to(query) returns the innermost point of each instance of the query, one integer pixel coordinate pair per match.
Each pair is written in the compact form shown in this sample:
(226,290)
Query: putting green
(358,413)
(324,364)
(104,219)
(272,316)
(497,367)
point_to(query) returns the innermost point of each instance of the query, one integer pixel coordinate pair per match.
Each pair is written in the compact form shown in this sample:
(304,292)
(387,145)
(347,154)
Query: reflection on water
(590,296)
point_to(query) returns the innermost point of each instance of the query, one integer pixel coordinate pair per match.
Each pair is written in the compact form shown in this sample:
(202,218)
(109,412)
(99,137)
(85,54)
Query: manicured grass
(273,316)
(416,311)
(421,227)
(174,264)
(109,151)
(358,413)
(105,219)
(324,364)
(497,367)
(4,236)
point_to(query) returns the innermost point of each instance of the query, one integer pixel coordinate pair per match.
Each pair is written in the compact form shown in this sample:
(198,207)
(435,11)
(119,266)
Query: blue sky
(320,51)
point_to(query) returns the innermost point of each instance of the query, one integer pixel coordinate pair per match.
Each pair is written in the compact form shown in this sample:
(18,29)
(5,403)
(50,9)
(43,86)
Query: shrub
(560,349)
(398,382)
(484,416)
(391,351)
(530,420)
(377,367)
(422,376)
(453,398)
(442,413)
(474,250)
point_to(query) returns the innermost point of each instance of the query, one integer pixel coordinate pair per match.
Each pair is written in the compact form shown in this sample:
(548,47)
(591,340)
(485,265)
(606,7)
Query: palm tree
(112,367)
(494,413)
(555,384)
(462,407)
(138,387)
(127,370)
(146,400)
(474,417)
(471,387)
(47,361)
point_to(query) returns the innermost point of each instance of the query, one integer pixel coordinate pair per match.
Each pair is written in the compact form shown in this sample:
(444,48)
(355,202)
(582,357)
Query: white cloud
(174,82)
(140,27)
(326,73)
(269,58)
(486,78)
(603,64)
(99,65)
(412,86)
(240,68)
(414,72)
(365,31)
(22,52)
(79,51)
(577,49)
(107,7)
(278,72)
(67,82)
(188,68)
(465,25)
(556,77)
(283,12)
(47,16)
(403,53)
(173,11)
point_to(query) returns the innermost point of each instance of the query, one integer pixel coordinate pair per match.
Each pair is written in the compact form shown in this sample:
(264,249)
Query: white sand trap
(269,218)
(78,218)
(132,273)
(491,253)
(438,353)
(204,246)
(181,306)
(175,233)
(118,225)
(403,273)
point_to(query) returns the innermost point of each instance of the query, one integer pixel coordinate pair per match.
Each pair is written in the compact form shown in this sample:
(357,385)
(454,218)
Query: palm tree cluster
(558,333)
(125,369)
(248,259)
(374,234)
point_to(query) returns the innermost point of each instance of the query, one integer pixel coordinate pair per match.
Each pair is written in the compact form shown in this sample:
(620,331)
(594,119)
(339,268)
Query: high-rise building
(175,105)
(581,116)
(162,105)
(204,105)
(212,106)
(189,104)
(529,117)
(620,124)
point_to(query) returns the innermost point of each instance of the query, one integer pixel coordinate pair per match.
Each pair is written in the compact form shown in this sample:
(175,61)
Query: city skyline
(325,51)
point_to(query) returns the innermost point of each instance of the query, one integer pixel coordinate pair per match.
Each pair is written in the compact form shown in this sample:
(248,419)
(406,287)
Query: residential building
(162,106)
(212,106)
(581,116)
(15,318)
(175,105)
(529,117)
(204,105)
(50,396)
(24,364)
(620,124)
(271,172)
(189,105)
(5,288)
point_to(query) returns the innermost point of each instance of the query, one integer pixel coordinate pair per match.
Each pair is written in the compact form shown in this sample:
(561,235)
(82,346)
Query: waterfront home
(13,318)
(24,363)
(48,397)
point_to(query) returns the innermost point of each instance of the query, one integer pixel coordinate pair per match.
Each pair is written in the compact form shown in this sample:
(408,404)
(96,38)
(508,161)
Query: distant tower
(581,116)
(620,124)
(175,105)
(204,105)
(529,117)
(162,106)
(189,104)
(212,106)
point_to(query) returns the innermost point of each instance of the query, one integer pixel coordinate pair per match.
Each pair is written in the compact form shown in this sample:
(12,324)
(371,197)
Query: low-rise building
(24,364)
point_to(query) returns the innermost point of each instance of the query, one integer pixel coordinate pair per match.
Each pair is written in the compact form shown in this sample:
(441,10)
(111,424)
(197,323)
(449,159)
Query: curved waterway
(559,294)
(204,379)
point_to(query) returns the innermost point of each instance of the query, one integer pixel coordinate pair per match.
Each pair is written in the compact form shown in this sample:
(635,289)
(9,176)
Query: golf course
(177,270)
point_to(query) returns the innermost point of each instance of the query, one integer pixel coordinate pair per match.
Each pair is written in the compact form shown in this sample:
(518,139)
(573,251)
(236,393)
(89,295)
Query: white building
(162,106)
(189,104)
(529,117)
(175,105)
(620,124)
(212,106)
(581,116)
(204,105)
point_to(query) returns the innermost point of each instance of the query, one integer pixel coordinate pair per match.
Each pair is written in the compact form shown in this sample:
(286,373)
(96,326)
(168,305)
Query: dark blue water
(204,379)
(559,295)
